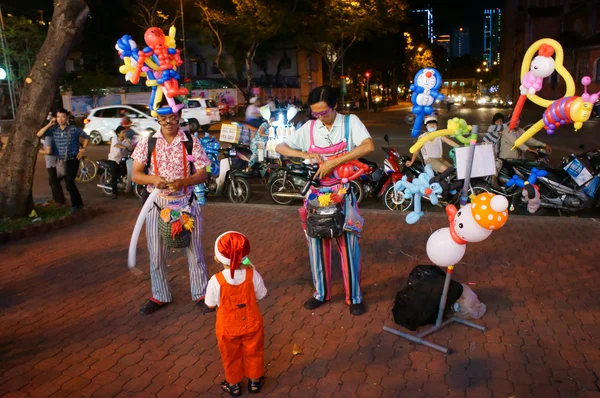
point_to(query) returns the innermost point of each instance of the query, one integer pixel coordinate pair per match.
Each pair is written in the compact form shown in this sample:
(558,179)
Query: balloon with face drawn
(473,223)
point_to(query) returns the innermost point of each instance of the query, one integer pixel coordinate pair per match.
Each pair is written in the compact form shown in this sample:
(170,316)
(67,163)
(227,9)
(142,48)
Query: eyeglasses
(321,114)
(167,122)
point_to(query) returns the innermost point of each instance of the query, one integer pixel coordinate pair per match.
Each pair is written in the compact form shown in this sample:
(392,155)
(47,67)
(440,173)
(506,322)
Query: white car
(102,122)
(200,113)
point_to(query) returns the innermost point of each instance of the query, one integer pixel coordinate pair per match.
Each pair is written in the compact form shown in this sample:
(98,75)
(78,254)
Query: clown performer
(168,162)
(240,334)
(324,140)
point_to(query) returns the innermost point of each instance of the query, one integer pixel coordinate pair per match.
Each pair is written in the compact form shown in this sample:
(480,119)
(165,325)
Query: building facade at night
(491,35)
(461,42)
(444,42)
(424,19)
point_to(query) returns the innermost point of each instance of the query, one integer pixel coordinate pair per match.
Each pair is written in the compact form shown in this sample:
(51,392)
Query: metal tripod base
(419,337)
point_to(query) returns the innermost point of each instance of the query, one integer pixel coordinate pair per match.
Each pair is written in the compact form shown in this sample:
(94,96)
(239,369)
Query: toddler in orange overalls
(240,334)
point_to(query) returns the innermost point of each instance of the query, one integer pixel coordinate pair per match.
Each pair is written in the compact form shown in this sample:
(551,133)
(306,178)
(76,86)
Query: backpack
(189,146)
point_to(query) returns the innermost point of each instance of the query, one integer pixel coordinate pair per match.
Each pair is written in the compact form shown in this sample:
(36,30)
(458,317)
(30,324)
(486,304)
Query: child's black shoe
(233,389)
(255,386)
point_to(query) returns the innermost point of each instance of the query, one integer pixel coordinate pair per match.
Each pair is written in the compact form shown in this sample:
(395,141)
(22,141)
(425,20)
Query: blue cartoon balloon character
(425,88)
(418,188)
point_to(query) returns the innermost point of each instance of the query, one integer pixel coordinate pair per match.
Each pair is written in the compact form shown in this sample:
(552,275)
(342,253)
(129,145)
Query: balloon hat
(158,63)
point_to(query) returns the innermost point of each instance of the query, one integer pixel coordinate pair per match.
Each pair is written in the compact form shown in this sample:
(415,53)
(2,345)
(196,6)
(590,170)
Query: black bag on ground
(418,301)
(325,223)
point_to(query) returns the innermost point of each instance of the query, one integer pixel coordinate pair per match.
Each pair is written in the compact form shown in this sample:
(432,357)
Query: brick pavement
(69,322)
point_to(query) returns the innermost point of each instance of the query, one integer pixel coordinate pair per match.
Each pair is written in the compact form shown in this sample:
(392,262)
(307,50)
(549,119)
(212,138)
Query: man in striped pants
(331,140)
(175,171)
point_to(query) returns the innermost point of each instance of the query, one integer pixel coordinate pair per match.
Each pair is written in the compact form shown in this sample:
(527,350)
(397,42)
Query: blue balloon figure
(535,174)
(418,188)
(425,88)
(211,148)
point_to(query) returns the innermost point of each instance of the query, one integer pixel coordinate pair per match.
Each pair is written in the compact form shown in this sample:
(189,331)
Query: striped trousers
(159,253)
(319,251)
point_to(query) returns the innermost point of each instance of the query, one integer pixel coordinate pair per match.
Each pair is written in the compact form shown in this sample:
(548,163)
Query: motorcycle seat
(526,163)
(369,163)
(104,163)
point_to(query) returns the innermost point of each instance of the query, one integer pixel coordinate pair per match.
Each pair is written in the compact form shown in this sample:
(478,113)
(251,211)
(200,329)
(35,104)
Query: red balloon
(517,112)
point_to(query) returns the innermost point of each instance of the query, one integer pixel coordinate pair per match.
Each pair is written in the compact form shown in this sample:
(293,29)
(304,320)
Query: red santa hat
(232,248)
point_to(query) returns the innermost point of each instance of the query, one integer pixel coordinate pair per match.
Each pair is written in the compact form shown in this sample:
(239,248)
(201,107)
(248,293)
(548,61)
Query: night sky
(109,17)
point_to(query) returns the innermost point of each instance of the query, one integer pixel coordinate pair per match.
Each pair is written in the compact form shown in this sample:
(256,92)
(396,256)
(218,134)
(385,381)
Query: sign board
(591,188)
(484,162)
(578,172)
(234,134)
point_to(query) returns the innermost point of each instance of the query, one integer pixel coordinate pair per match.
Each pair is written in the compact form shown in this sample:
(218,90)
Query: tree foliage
(238,28)
(331,27)
(149,14)
(24,38)
(417,57)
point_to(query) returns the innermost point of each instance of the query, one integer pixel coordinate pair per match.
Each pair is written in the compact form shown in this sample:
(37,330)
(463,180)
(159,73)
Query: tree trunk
(330,69)
(249,60)
(18,160)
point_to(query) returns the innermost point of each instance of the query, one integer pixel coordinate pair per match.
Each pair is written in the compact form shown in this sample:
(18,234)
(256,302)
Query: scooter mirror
(386,138)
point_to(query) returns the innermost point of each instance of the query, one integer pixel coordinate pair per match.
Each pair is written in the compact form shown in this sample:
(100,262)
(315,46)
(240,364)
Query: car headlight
(509,102)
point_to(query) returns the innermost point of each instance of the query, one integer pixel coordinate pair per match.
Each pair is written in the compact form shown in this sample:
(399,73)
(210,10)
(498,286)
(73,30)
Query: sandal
(150,307)
(255,386)
(233,389)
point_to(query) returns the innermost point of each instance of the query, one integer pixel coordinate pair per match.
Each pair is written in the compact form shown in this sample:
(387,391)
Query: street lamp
(484,63)
(420,49)
(478,70)
(368,76)
(487,69)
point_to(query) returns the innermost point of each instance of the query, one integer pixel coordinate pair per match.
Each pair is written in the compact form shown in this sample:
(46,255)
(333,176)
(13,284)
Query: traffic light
(367,74)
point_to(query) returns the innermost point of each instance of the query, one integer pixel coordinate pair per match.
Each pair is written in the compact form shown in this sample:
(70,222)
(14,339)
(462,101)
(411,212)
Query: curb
(56,224)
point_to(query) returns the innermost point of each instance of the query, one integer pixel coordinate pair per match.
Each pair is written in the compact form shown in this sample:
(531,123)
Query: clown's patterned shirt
(169,159)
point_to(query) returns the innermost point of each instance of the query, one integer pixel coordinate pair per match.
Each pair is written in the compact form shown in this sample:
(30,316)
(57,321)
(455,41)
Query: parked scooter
(230,179)
(125,183)
(287,183)
(558,189)
(392,173)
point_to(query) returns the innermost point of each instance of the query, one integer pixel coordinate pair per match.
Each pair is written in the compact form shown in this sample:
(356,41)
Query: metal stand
(419,338)
(438,323)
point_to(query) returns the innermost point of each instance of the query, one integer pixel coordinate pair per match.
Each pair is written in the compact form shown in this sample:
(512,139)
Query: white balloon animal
(472,223)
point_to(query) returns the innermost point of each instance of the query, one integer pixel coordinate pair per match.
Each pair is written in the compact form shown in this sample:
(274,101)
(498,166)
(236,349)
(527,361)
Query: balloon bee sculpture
(576,110)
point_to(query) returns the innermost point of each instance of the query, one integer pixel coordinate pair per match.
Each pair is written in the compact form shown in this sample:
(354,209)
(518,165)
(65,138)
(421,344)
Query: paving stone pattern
(69,321)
